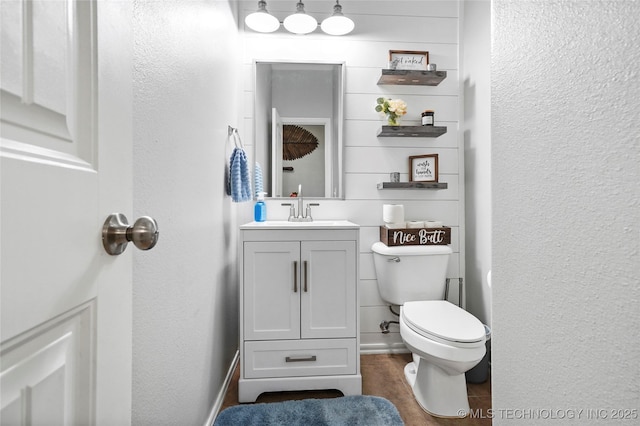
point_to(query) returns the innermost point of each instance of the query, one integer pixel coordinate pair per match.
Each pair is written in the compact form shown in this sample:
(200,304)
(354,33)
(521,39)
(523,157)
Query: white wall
(380,27)
(185,289)
(564,104)
(476,77)
(566,216)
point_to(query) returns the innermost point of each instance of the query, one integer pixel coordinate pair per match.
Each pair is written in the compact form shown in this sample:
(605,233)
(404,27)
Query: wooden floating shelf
(412,77)
(413,185)
(412,131)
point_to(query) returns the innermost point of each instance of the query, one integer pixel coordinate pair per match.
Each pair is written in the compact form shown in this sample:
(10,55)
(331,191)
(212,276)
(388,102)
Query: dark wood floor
(383,375)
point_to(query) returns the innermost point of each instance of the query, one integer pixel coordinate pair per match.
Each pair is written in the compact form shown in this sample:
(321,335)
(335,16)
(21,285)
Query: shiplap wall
(380,26)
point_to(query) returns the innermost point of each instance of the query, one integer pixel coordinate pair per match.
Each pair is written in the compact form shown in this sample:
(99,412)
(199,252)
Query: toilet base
(438,393)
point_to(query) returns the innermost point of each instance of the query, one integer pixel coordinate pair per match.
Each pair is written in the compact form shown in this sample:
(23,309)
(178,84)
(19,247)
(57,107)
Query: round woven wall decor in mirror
(297,142)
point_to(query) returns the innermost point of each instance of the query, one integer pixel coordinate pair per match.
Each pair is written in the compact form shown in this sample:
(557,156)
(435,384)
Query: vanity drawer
(295,358)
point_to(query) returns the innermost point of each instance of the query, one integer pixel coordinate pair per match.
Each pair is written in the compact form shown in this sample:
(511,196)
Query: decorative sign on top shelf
(423,168)
(416,236)
(408,60)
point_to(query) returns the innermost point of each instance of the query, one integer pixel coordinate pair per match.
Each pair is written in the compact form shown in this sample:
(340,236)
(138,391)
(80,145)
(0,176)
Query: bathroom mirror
(298,127)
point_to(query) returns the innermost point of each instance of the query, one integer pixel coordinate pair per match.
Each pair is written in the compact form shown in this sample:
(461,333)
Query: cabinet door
(271,290)
(328,298)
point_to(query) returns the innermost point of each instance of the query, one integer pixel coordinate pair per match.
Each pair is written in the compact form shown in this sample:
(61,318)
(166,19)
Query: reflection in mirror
(303,158)
(298,128)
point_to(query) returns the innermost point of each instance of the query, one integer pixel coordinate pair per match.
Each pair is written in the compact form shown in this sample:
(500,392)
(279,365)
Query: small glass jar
(427,117)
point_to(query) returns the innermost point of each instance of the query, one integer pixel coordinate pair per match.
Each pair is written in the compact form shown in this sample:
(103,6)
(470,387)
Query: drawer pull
(306,288)
(300,358)
(295,276)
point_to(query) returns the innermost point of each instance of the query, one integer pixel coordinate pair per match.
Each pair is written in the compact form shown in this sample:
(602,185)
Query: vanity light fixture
(299,22)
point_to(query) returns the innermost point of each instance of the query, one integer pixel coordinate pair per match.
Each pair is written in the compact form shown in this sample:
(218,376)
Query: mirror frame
(337,123)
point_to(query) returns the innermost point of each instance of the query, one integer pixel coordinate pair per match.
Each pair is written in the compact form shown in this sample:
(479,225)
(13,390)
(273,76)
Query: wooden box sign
(415,236)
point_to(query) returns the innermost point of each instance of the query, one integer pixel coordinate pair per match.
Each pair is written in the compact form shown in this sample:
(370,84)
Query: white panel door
(328,298)
(277,146)
(271,293)
(65,163)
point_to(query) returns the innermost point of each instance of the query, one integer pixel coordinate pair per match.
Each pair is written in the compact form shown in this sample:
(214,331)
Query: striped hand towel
(239,176)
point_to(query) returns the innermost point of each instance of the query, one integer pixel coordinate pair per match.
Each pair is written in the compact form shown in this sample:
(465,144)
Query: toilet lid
(444,320)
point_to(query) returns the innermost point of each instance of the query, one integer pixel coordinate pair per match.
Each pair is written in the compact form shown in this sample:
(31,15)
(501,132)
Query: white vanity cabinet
(299,308)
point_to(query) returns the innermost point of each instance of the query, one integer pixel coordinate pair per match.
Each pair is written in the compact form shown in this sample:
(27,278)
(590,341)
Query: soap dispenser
(260,209)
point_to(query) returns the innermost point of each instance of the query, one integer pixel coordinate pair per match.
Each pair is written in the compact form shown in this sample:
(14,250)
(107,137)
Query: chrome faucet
(300,202)
(302,216)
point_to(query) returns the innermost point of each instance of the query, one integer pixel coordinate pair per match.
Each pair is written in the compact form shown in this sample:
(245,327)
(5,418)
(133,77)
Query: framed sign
(423,168)
(415,236)
(408,60)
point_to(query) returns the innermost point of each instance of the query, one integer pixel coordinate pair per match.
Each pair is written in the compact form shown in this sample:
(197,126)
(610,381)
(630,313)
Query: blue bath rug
(344,411)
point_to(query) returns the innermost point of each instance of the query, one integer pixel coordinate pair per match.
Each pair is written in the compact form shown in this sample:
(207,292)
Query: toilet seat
(443,321)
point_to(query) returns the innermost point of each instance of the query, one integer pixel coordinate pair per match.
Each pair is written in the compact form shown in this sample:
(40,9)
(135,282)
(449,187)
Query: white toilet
(446,341)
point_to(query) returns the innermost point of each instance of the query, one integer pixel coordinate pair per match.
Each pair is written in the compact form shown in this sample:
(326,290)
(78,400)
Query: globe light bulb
(337,24)
(261,20)
(299,22)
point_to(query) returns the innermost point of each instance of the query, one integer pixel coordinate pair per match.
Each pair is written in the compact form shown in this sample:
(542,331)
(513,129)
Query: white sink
(284,224)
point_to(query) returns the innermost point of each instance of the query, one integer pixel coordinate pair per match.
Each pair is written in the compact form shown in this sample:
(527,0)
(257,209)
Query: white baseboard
(383,348)
(215,409)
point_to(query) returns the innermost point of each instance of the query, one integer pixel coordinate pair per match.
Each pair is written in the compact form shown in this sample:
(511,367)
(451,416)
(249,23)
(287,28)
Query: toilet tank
(408,273)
